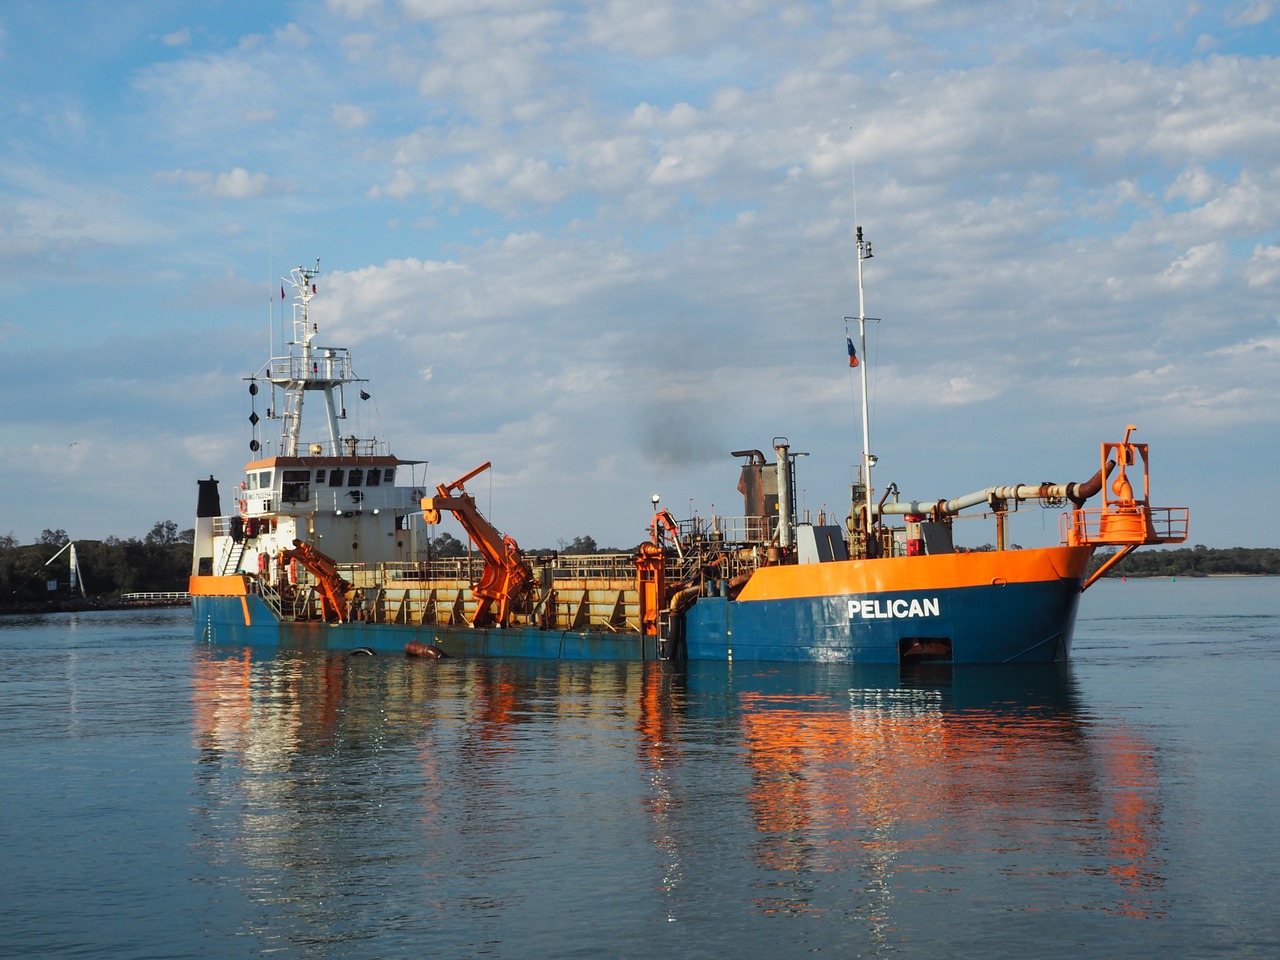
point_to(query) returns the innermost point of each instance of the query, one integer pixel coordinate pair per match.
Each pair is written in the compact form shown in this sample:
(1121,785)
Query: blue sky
(603,245)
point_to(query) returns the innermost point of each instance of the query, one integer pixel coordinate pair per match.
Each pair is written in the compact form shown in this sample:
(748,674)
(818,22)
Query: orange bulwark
(940,571)
(207,586)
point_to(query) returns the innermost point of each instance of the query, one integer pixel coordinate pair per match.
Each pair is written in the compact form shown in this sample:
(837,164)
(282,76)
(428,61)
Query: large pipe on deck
(784,494)
(1077,493)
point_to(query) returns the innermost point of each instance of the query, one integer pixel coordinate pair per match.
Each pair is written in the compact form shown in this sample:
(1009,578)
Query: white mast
(864,253)
(77,580)
(309,367)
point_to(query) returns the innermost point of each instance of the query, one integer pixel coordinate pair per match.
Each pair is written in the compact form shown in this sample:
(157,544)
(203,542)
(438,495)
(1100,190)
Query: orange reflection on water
(901,781)
(893,788)
(220,700)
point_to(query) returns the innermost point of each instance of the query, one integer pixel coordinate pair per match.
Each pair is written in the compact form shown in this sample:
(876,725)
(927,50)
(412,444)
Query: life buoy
(244,506)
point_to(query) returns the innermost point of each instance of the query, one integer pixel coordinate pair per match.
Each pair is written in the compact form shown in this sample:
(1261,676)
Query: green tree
(579,545)
(447,545)
(165,532)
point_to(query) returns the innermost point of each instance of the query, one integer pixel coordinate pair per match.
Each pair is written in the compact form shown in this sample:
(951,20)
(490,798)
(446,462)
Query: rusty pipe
(1077,493)
(681,600)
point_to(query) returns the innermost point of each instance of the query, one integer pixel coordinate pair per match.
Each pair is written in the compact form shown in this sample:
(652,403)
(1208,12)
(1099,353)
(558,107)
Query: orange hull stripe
(938,572)
(217,587)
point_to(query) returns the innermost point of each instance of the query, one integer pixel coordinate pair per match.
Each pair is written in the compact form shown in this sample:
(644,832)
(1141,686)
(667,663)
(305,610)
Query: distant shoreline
(1183,576)
(83,606)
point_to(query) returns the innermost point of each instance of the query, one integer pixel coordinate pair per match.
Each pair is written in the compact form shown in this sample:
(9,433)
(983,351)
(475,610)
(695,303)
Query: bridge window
(374,477)
(319,478)
(335,478)
(295,486)
(355,477)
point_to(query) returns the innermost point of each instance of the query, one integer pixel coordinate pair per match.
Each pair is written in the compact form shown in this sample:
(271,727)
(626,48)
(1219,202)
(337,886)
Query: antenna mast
(868,461)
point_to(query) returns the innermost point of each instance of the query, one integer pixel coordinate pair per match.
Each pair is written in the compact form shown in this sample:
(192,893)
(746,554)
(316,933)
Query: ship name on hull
(900,609)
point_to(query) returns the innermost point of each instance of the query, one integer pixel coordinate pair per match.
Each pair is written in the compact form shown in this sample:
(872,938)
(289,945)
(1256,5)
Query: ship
(328,543)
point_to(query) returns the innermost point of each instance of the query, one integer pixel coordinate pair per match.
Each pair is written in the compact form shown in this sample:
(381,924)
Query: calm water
(166,799)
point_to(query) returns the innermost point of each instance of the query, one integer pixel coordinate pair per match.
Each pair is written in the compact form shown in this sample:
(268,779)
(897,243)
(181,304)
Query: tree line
(447,545)
(1196,561)
(157,562)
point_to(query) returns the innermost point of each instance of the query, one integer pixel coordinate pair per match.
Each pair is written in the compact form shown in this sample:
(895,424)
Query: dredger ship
(326,545)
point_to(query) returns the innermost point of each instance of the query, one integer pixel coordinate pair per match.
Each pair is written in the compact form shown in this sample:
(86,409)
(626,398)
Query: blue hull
(1012,623)
(223,620)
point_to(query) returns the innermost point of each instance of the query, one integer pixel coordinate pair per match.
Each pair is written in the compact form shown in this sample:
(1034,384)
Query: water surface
(163,798)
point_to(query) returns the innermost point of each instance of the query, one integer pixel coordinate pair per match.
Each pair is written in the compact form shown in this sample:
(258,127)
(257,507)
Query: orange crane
(507,577)
(333,589)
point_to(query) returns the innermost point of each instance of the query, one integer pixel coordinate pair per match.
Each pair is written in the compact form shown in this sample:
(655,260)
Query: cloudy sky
(604,244)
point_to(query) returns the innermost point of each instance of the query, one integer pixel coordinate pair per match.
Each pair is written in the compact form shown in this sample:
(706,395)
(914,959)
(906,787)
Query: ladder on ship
(234,554)
(269,596)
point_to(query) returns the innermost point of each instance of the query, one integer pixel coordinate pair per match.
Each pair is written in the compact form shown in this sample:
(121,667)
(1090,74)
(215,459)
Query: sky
(603,245)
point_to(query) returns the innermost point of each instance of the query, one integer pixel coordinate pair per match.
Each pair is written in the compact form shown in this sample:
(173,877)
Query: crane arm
(507,576)
(333,589)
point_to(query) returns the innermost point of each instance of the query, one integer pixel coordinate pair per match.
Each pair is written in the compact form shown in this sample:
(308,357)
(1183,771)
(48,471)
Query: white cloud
(235,184)
(614,240)
(355,9)
(348,116)
(1250,14)
(399,187)
(239,184)
(1194,184)
(293,35)
(1263,268)
(1199,266)
(655,28)
(46,218)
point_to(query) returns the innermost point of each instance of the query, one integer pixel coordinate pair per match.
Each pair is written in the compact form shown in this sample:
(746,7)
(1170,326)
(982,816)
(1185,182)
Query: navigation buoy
(416,648)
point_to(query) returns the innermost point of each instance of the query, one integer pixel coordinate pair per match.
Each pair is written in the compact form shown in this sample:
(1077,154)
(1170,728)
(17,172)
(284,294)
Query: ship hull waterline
(978,608)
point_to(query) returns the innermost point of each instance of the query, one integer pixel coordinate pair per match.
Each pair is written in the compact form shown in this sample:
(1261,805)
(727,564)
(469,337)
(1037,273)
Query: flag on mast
(853,354)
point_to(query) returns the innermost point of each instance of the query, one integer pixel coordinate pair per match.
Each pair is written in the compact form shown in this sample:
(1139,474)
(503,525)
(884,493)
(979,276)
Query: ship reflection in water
(367,797)
(914,785)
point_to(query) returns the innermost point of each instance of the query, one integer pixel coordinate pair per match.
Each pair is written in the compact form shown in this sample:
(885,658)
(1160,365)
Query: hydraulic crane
(507,576)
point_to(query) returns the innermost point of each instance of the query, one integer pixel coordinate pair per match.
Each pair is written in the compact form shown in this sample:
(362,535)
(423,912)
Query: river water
(165,798)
